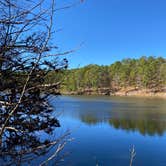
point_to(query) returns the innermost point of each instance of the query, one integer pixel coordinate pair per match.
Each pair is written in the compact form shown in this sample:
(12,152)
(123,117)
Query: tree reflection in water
(143,126)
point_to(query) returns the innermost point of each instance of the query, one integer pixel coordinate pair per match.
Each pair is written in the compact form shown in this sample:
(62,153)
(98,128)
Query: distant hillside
(146,75)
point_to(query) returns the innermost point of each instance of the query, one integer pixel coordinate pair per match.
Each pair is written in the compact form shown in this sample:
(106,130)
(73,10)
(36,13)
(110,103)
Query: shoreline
(127,93)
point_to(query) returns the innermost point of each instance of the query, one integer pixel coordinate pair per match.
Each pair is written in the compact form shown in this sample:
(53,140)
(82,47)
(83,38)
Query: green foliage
(146,72)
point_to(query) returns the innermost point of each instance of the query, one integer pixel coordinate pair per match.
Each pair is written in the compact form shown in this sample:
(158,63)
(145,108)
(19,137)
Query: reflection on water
(148,116)
(149,127)
(144,126)
(105,128)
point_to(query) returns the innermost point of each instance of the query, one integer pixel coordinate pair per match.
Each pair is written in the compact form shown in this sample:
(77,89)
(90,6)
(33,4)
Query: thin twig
(132,155)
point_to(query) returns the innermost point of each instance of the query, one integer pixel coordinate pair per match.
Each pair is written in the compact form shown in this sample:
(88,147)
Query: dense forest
(144,73)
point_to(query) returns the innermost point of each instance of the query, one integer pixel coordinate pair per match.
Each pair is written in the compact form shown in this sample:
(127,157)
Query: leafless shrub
(26,57)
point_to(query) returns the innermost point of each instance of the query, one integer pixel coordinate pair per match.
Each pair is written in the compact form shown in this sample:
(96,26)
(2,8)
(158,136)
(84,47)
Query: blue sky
(111,30)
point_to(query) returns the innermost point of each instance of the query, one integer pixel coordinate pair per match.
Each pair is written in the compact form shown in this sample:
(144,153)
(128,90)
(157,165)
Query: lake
(105,129)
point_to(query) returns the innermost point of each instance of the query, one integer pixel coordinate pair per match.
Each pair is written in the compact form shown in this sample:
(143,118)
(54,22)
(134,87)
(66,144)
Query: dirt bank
(119,92)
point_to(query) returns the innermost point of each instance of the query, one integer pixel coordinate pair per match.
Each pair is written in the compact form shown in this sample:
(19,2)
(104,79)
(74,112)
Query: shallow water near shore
(105,128)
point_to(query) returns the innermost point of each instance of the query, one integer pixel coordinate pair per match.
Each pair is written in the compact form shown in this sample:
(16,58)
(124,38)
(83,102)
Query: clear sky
(112,30)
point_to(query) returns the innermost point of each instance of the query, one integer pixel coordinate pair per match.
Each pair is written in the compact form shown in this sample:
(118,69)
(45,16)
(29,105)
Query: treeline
(143,73)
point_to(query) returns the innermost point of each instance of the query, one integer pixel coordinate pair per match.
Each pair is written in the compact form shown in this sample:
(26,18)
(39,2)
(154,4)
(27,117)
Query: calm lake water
(105,128)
